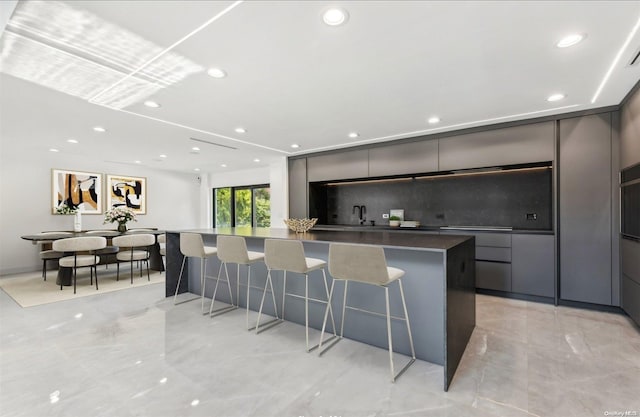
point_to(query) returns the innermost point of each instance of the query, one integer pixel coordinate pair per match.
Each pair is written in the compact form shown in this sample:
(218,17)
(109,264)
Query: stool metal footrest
(266,326)
(396,376)
(221,311)
(175,303)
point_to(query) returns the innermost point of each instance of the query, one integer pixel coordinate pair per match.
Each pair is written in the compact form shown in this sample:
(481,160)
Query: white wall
(174,201)
(276,174)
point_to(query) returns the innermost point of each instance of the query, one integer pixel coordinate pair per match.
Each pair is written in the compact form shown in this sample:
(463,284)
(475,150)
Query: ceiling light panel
(76,52)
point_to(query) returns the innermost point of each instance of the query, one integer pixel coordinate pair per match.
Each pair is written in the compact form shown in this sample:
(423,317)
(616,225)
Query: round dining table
(65,274)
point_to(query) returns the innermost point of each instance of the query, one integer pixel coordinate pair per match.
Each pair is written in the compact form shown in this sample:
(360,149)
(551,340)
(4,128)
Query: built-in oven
(630,202)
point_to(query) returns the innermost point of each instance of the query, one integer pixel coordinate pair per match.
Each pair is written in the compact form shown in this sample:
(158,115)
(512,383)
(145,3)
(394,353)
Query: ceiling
(67,67)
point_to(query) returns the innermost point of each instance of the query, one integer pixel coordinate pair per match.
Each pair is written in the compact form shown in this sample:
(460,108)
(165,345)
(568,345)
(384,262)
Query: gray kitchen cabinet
(511,145)
(404,158)
(493,276)
(630,251)
(533,264)
(585,209)
(337,166)
(298,191)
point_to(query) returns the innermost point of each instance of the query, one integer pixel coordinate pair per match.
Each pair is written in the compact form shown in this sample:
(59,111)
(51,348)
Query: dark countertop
(391,239)
(432,229)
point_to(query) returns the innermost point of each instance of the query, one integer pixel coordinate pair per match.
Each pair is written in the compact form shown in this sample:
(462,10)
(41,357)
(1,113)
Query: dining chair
(109,250)
(137,249)
(76,245)
(49,254)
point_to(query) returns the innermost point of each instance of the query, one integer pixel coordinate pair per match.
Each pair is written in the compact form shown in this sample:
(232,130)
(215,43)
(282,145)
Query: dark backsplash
(488,199)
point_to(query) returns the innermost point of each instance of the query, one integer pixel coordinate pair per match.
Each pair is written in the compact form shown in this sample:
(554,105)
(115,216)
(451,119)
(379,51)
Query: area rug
(30,290)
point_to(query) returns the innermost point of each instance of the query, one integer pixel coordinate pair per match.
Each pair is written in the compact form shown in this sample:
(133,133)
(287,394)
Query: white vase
(77,222)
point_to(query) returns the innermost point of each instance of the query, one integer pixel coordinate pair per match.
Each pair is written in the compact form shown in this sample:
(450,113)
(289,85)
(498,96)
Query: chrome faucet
(362,213)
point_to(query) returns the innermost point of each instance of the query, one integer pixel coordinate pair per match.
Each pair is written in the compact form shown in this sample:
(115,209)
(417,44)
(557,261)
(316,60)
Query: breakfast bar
(439,285)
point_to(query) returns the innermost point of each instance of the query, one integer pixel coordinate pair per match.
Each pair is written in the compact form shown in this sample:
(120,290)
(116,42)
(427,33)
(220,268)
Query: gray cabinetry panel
(501,240)
(493,276)
(629,131)
(298,198)
(631,260)
(493,254)
(631,298)
(342,165)
(533,265)
(511,145)
(405,158)
(585,209)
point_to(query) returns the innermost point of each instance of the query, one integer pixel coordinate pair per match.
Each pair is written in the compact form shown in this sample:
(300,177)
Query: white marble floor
(132,353)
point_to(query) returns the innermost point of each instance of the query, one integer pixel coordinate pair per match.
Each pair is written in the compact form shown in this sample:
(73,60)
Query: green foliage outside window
(262,199)
(223,207)
(243,208)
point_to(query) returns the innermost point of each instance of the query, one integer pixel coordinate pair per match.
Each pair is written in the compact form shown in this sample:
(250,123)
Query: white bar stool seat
(366,264)
(192,245)
(288,256)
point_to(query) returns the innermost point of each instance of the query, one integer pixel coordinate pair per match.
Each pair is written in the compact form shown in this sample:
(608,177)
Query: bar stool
(192,245)
(75,261)
(288,256)
(233,249)
(366,264)
(134,253)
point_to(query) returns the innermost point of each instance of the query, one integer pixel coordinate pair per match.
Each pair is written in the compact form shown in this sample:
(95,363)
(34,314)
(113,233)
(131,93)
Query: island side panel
(423,284)
(460,304)
(174,261)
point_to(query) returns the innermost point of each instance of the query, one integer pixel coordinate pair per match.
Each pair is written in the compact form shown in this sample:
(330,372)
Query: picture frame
(126,191)
(77,189)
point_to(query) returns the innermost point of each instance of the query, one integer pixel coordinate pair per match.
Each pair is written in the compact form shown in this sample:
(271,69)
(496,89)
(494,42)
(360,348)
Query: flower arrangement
(66,209)
(122,215)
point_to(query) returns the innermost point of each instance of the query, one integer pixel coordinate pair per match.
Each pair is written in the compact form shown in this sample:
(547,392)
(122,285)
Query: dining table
(65,274)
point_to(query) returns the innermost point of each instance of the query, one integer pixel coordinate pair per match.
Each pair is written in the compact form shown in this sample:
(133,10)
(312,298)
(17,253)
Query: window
(222,207)
(247,206)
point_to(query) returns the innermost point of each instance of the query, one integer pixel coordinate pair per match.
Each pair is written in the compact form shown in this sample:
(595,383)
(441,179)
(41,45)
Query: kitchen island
(439,287)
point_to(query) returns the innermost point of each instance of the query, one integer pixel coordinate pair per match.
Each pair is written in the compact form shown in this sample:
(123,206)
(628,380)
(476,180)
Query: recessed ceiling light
(570,40)
(72,141)
(152,104)
(53,150)
(163,156)
(556,97)
(241,130)
(354,135)
(196,169)
(335,16)
(100,129)
(256,160)
(138,162)
(216,73)
(195,149)
(223,165)
(433,120)
(295,145)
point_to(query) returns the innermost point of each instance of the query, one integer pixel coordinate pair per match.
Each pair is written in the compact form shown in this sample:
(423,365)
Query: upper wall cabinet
(630,132)
(298,197)
(337,166)
(404,158)
(511,145)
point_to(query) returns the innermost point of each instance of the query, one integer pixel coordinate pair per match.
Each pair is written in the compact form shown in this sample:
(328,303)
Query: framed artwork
(125,191)
(78,190)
